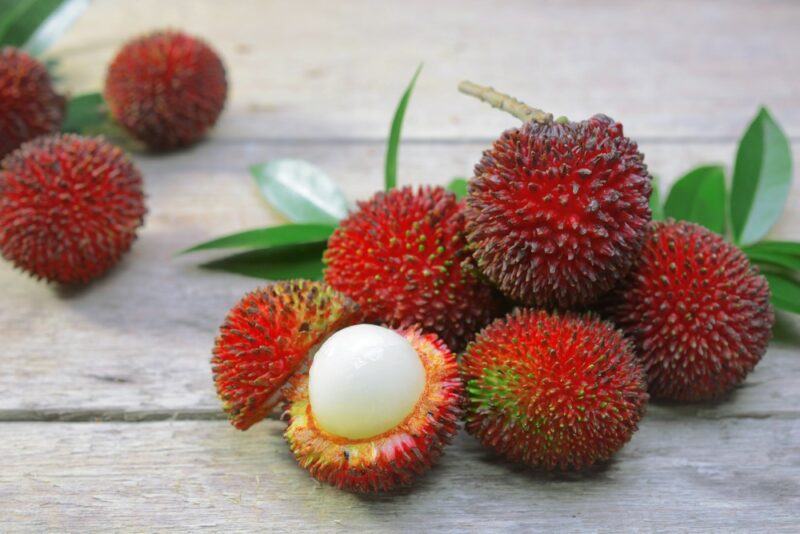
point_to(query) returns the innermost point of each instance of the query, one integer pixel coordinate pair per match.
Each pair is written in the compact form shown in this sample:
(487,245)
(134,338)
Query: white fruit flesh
(364,381)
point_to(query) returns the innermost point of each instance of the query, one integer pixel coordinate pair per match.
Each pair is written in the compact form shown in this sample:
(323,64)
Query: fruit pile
(606,308)
(70,205)
(568,306)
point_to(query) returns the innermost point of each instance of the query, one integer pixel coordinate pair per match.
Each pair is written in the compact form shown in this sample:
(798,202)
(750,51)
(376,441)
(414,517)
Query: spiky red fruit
(268,337)
(396,457)
(402,255)
(697,311)
(552,391)
(557,211)
(29,107)
(167,89)
(69,207)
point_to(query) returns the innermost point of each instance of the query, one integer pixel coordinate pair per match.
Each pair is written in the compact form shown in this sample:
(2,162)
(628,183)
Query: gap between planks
(456,141)
(660,412)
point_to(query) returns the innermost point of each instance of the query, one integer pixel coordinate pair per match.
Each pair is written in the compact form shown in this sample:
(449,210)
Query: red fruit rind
(394,458)
(167,89)
(267,337)
(697,311)
(69,207)
(552,391)
(29,106)
(557,211)
(402,257)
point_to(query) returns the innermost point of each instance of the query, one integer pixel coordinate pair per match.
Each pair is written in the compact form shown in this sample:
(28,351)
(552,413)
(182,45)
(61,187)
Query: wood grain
(686,68)
(108,420)
(136,343)
(687,474)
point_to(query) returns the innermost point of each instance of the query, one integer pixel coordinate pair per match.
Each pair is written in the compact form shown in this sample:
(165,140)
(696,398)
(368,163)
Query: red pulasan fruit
(557,211)
(697,311)
(69,207)
(167,89)
(396,457)
(29,107)
(552,391)
(267,338)
(402,256)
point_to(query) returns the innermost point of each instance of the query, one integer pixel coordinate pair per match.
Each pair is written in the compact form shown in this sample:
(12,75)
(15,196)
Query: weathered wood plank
(688,474)
(135,345)
(336,69)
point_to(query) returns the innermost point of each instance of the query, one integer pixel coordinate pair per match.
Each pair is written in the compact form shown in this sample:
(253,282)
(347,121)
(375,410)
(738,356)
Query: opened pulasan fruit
(376,407)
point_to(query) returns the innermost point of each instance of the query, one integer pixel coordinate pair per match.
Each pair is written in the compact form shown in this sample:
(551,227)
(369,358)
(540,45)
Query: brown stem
(502,101)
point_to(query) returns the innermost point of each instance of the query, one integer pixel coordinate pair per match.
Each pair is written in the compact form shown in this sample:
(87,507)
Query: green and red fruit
(70,207)
(552,391)
(697,311)
(29,106)
(402,257)
(167,89)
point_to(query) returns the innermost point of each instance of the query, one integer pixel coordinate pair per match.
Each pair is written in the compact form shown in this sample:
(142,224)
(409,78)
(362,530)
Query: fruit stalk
(502,101)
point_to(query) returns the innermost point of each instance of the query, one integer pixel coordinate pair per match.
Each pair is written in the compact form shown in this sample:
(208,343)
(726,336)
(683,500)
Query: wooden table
(108,419)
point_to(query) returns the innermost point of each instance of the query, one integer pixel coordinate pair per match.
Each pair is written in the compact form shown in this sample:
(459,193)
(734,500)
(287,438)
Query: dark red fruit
(167,89)
(29,107)
(557,211)
(402,257)
(69,207)
(697,311)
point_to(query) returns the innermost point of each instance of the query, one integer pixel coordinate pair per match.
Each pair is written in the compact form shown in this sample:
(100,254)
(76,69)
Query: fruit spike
(401,255)
(268,337)
(697,311)
(70,207)
(166,88)
(552,391)
(379,388)
(557,210)
(30,106)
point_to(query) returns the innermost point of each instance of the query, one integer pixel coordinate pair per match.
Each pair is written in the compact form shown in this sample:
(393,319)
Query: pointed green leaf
(34,24)
(85,113)
(393,146)
(55,25)
(699,197)
(274,236)
(280,263)
(301,191)
(786,248)
(656,208)
(785,292)
(761,179)
(459,187)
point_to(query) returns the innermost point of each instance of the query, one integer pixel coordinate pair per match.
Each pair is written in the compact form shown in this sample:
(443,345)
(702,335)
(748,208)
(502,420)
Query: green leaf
(774,258)
(34,24)
(85,113)
(301,191)
(785,292)
(55,26)
(459,187)
(788,248)
(393,145)
(280,263)
(656,207)
(699,197)
(761,179)
(275,236)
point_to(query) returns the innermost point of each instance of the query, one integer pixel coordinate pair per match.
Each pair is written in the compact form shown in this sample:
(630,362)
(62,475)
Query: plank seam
(144,416)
